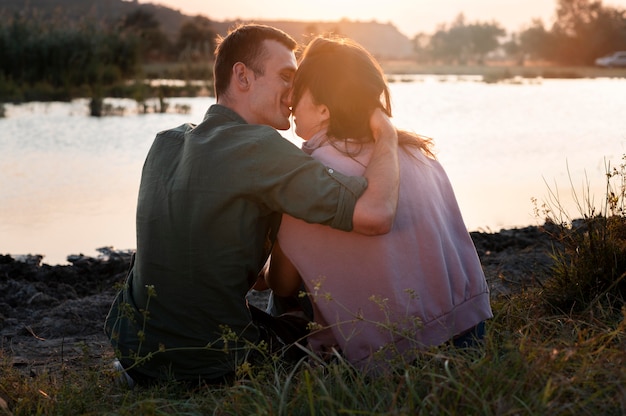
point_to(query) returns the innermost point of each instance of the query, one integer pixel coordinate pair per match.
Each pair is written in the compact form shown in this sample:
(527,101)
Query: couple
(212,197)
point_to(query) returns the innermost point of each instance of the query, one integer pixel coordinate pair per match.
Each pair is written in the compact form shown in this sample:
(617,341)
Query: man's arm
(375,210)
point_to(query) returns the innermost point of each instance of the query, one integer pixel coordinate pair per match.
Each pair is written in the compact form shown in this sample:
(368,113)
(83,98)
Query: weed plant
(590,250)
(539,357)
(532,363)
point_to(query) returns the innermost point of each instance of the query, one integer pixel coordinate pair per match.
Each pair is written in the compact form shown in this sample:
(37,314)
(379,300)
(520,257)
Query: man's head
(253,73)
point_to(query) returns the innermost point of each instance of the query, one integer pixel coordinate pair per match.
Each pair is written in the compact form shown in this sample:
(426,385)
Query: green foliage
(584,30)
(143,26)
(590,254)
(464,43)
(532,362)
(46,61)
(536,42)
(591,263)
(196,40)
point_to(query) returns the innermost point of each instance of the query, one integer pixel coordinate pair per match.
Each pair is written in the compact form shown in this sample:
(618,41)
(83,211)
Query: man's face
(270,93)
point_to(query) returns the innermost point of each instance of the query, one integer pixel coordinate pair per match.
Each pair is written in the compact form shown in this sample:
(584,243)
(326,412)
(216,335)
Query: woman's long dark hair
(346,78)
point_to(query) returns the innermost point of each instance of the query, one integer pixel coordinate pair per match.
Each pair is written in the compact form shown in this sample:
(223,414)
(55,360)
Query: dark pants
(470,338)
(280,333)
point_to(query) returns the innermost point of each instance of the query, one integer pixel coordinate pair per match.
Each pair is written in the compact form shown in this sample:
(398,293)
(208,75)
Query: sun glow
(409,16)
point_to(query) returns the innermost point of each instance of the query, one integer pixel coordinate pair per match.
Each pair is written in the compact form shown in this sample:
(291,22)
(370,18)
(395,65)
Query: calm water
(69,182)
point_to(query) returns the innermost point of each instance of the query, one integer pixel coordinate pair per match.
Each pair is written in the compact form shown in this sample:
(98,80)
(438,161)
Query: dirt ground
(52,317)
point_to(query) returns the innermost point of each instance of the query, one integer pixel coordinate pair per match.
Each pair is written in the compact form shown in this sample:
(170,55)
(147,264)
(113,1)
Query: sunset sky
(409,16)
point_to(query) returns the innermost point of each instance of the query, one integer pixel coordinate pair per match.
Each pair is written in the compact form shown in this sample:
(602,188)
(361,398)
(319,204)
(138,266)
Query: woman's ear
(324,112)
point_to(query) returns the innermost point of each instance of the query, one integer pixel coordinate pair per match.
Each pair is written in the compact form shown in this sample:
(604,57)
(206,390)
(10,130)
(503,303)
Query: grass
(539,356)
(533,362)
(590,262)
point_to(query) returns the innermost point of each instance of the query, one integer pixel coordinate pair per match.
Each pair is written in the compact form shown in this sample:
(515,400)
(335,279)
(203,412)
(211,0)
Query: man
(209,206)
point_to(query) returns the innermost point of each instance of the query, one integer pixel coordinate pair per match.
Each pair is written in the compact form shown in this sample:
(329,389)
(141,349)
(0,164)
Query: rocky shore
(52,316)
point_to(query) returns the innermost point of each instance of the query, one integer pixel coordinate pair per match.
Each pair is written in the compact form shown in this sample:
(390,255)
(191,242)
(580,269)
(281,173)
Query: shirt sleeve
(292,182)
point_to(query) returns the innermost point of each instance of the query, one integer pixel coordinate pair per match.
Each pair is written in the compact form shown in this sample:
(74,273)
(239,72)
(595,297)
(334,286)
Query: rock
(514,259)
(58,300)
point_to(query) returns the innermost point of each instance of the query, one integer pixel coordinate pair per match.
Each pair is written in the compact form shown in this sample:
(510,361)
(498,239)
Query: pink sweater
(385,297)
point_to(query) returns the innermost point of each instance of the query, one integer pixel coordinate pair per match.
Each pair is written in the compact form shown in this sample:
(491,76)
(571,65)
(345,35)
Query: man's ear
(240,75)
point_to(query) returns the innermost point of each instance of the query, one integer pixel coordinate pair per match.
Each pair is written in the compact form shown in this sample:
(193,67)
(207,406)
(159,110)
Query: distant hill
(105,11)
(381,39)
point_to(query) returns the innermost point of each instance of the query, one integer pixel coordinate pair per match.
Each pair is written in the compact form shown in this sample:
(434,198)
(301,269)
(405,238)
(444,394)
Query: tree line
(53,60)
(583,31)
(43,59)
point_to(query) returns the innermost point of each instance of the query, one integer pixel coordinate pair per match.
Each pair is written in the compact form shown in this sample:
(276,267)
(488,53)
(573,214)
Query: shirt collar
(224,111)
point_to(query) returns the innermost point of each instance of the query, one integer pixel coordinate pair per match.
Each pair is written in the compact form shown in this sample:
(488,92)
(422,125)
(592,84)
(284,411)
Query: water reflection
(69,182)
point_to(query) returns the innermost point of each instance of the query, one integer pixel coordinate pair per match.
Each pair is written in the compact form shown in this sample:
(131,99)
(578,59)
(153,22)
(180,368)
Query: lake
(69,181)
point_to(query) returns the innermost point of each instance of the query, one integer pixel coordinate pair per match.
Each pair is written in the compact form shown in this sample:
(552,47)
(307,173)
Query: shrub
(590,252)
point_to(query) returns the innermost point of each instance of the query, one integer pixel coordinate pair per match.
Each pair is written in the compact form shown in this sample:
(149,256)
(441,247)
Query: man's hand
(381,126)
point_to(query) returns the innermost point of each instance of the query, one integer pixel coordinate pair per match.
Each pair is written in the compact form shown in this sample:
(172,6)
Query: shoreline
(107,252)
(497,70)
(522,253)
(492,72)
(44,308)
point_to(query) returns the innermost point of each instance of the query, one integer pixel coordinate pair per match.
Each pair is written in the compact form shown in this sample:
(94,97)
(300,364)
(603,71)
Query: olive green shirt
(209,207)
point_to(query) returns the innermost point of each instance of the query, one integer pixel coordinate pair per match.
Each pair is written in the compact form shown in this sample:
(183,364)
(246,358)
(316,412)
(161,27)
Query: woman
(381,298)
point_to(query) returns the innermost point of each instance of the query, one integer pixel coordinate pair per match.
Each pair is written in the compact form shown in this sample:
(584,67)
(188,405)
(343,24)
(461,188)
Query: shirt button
(330,170)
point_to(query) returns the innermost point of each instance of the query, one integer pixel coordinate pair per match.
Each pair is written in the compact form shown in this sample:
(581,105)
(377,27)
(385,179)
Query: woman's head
(345,78)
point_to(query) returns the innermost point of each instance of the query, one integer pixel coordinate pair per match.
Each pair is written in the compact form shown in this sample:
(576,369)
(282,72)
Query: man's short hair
(244,44)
